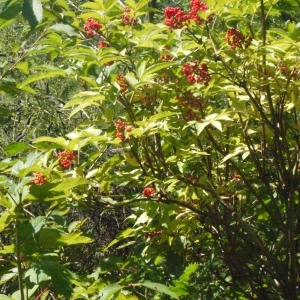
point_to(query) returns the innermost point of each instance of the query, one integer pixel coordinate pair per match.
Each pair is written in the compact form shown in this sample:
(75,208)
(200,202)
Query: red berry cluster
(191,115)
(192,203)
(192,178)
(225,192)
(188,100)
(236,39)
(284,69)
(122,127)
(197,6)
(150,95)
(39,179)
(166,57)
(122,82)
(286,72)
(92,27)
(149,99)
(196,73)
(65,158)
(154,233)
(235,176)
(176,18)
(148,192)
(103,44)
(127,18)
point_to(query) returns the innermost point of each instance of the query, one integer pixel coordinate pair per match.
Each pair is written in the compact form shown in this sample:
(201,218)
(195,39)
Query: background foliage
(149,149)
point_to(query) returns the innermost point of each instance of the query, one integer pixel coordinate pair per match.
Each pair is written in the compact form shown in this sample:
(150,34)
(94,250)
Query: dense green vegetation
(149,149)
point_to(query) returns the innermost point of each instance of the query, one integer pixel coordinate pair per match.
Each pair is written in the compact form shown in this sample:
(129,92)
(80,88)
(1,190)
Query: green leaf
(88,97)
(141,67)
(8,276)
(23,67)
(33,12)
(27,291)
(143,218)
(189,270)
(109,4)
(43,76)
(49,237)
(161,115)
(4,297)
(64,28)
(37,223)
(131,160)
(141,4)
(69,184)
(11,10)
(154,68)
(43,192)
(74,239)
(36,275)
(108,114)
(161,288)
(4,115)
(108,165)
(56,141)
(26,89)
(108,291)
(217,125)
(121,236)
(234,153)
(53,237)
(94,6)
(75,225)
(15,148)
(83,100)
(5,219)
(4,201)
(295,34)
(200,127)
(121,296)
(9,249)
(131,4)
(63,4)
(61,278)
(131,79)
(111,263)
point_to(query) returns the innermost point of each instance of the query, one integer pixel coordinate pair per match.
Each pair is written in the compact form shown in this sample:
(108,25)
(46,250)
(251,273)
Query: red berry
(188,100)
(235,176)
(39,178)
(191,116)
(176,18)
(65,158)
(236,39)
(196,7)
(128,18)
(122,82)
(103,44)
(148,192)
(294,74)
(92,27)
(286,72)
(122,127)
(196,73)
